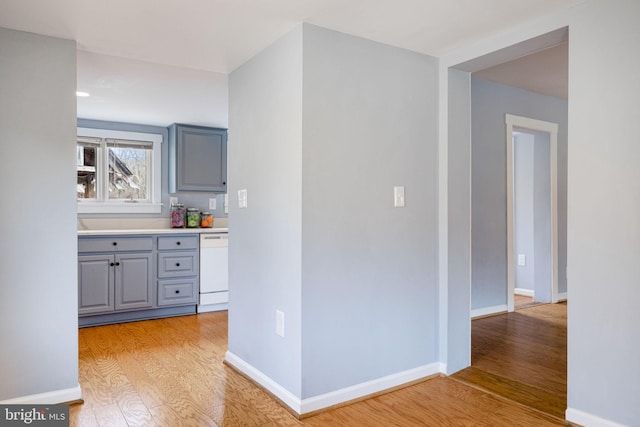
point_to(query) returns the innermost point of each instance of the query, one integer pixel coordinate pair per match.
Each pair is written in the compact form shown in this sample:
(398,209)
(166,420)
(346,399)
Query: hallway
(522,356)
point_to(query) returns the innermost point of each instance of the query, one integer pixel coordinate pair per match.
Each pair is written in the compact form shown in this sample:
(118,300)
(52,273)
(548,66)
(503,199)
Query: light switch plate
(398,196)
(212,204)
(522,259)
(242,198)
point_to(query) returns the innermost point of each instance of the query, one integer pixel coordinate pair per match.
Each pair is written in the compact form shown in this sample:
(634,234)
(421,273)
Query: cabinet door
(95,284)
(133,281)
(198,159)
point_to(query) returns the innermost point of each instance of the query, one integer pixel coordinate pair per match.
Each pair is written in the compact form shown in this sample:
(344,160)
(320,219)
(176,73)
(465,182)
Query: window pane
(129,172)
(86,166)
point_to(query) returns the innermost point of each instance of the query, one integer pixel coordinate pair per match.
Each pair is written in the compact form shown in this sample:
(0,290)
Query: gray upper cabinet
(197,159)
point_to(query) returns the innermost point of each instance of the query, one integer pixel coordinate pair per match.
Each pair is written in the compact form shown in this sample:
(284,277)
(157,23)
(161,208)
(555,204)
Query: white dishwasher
(214,272)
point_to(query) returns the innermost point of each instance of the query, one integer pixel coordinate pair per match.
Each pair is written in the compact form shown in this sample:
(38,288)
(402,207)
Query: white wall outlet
(213,204)
(173,200)
(398,196)
(522,259)
(242,198)
(226,203)
(280,323)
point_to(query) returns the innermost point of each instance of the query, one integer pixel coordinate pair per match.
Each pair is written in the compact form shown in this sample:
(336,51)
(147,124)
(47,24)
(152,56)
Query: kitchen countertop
(124,226)
(121,231)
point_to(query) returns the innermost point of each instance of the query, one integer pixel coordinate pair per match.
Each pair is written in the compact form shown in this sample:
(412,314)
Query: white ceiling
(156,40)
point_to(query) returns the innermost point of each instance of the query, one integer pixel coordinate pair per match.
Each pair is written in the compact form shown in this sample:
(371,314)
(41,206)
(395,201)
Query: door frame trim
(552,129)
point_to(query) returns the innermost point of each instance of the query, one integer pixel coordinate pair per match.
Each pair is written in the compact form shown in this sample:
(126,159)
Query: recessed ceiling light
(82,94)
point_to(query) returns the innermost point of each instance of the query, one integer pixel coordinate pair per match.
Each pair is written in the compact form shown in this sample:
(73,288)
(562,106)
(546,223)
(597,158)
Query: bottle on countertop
(177,216)
(206,220)
(193,218)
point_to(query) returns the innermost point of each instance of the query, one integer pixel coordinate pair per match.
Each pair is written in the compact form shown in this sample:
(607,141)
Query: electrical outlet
(522,259)
(212,204)
(173,200)
(280,323)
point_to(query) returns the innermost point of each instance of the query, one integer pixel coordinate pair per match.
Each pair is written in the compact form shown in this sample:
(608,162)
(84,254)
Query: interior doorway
(532,215)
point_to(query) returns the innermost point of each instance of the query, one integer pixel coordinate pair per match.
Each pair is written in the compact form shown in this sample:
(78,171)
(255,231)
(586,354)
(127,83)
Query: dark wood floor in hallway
(170,372)
(522,356)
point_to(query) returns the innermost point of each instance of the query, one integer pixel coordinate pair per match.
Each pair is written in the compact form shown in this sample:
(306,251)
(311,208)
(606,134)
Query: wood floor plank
(170,372)
(522,356)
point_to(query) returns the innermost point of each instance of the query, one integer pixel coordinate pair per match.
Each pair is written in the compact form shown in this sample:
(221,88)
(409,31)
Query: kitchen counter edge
(113,232)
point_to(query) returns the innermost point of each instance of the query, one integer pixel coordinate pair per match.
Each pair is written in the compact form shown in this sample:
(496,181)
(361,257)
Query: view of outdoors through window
(127,175)
(87,164)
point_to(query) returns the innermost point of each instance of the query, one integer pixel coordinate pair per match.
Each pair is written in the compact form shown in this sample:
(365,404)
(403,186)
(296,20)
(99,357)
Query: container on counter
(206,220)
(177,216)
(193,218)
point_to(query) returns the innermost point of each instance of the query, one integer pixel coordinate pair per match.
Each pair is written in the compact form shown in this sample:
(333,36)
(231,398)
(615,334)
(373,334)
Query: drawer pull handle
(112,264)
(177,292)
(117,264)
(178,243)
(115,243)
(177,264)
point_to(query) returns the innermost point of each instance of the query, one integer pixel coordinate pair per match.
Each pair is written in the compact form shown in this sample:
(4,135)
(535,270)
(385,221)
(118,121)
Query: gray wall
(523,209)
(265,157)
(457,300)
(38,284)
(489,103)
(542,219)
(604,211)
(320,239)
(369,299)
(190,199)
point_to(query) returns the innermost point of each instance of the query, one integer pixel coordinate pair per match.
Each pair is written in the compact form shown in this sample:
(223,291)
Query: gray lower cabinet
(123,278)
(197,159)
(177,270)
(114,282)
(133,281)
(95,284)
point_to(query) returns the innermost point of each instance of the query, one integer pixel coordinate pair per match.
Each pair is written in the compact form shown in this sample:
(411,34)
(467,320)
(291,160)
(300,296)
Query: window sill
(123,208)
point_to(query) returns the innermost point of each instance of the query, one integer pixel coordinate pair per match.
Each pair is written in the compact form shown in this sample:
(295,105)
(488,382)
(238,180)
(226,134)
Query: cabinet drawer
(176,264)
(115,244)
(172,292)
(177,242)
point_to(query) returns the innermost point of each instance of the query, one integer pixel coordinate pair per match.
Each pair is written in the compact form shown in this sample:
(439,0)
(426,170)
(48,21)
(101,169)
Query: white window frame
(125,206)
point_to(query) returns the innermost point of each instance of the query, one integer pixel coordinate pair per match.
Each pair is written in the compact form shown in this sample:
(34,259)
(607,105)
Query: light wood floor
(522,356)
(169,372)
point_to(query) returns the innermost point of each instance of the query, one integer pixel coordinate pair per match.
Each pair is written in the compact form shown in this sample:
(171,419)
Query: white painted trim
(370,387)
(588,420)
(336,397)
(48,398)
(443,214)
(552,129)
(562,296)
(486,311)
(265,381)
(523,292)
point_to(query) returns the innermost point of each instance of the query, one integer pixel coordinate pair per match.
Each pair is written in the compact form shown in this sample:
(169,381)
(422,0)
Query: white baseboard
(486,311)
(588,420)
(370,387)
(336,397)
(276,389)
(562,296)
(523,292)
(48,398)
